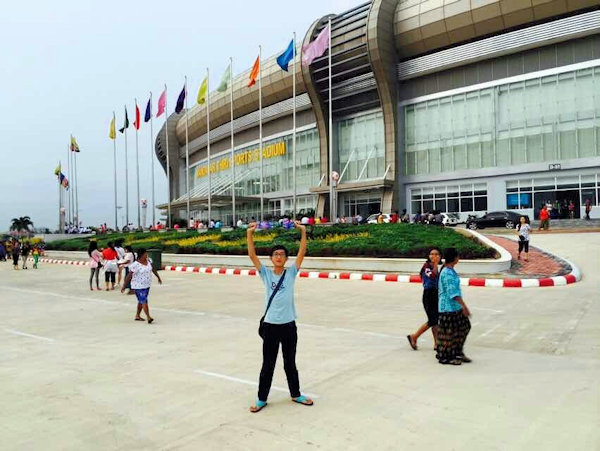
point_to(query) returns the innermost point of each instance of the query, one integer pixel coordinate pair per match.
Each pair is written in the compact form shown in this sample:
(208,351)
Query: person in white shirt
(120,254)
(125,262)
(523,231)
(240,223)
(304,220)
(192,224)
(140,277)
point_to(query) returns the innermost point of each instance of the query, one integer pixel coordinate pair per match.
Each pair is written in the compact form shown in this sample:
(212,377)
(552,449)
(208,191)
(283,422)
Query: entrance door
(558,199)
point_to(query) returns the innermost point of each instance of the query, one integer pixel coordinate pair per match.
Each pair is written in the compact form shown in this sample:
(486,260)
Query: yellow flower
(341,237)
(190,242)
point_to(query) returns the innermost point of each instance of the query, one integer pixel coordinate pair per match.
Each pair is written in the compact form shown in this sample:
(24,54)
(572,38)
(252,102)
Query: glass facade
(277,168)
(363,203)
(361,147)
(464,198)
(546,119)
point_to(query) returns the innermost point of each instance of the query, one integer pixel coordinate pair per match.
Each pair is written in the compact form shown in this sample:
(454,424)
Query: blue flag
(284,59)
(148,114)
(180,101)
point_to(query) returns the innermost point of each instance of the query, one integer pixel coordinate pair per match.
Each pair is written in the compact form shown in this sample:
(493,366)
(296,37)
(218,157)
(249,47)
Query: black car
(508,219)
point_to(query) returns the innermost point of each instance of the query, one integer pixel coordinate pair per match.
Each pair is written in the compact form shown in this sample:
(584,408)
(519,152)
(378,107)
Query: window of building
(449,199)
(361,147)
(550,119)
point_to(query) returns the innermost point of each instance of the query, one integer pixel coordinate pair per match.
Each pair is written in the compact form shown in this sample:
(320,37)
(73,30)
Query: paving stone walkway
(540,264)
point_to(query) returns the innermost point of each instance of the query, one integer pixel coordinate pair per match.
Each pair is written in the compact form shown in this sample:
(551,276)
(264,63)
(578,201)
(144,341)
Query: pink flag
(316,48)
(162,102)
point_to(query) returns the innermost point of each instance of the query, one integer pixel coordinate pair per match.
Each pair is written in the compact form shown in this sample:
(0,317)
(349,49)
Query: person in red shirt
(544,218)
(311,221)
(394,218)
(109,261)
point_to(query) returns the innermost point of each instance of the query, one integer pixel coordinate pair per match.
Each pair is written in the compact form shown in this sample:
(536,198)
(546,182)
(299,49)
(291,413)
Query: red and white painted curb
(572,277)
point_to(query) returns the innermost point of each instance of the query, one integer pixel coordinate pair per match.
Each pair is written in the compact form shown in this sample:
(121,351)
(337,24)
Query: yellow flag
(203,91)
(112,133)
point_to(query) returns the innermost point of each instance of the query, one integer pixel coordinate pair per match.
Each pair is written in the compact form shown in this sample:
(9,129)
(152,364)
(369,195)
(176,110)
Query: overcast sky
(66,65)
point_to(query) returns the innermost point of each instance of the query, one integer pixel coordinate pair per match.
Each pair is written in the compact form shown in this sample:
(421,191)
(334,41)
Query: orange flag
(254,73)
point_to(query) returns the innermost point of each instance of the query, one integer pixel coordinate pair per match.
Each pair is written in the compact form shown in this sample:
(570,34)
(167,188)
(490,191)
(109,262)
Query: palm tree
(21,223)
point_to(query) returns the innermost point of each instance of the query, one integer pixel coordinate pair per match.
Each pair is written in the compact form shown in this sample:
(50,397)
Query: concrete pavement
(78,373)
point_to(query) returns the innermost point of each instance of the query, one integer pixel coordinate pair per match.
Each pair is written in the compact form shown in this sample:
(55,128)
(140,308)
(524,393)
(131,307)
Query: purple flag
(316,48)
(180,101)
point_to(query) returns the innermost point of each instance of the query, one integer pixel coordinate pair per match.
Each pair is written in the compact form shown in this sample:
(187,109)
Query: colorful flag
(74,145)
(126,123)
(57,170)
(148,114)
(284,59)
(254,73)
(62,180)
(180,101)
(136,123)
(316,48)
(203,91)
(162,103)
(112,134)
(225,80)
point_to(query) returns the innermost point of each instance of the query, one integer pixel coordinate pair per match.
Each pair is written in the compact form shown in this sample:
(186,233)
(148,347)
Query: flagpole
(168,167)
(115,168)
(68,195)
(260,136)
(208,145)
(152,160)
(60,202)
(232,143)
(187,154)
(76,191)
(137,163)
(294,127)
(332,209)
(126,171)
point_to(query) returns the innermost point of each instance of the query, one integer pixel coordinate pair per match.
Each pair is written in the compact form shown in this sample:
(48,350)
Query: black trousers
(109,276)
(287,335)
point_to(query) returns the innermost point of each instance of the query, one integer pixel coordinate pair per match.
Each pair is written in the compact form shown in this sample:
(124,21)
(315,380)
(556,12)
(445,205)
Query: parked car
(373,218)
(449,219)
(508,219)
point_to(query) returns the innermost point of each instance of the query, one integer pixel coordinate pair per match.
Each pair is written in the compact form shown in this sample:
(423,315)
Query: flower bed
(374,240)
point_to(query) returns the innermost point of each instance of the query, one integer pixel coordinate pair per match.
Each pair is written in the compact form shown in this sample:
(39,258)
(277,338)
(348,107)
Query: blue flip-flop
(259,406)
(303,400)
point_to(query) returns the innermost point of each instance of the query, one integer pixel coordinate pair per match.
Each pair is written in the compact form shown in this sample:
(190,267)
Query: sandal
(413,344)
(303,400)
(465,359)
(455,362)
(150,320)
(139,319)
(258,406)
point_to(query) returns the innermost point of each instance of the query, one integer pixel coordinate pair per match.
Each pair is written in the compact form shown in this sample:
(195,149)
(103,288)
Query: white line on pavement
(23,334)
(487,309)
(247,382)
(489,331)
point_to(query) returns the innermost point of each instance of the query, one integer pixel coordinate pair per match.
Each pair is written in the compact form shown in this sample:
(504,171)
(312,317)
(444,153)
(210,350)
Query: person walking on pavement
(429,277)
(523,232)
(544,218)
(16,252)
(454,325)
(139,278)
(278,325)
(25,249)
(588,209)
(95,263)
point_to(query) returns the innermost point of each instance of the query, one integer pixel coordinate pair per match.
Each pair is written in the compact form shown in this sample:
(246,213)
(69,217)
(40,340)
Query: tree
(21,223)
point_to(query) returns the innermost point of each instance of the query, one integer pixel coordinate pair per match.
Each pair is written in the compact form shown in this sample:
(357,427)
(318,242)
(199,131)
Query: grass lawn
(374,240)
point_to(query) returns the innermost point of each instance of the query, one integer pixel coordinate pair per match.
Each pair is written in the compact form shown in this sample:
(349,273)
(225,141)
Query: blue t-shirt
(428,277)
(449,288)
(282,308)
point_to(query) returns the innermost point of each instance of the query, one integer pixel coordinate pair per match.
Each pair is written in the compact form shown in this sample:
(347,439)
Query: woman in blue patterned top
(454,325)
(429,277)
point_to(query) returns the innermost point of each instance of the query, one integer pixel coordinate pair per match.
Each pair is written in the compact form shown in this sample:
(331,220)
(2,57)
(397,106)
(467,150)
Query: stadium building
(460,106)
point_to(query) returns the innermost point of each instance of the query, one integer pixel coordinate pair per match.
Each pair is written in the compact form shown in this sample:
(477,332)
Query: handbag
(261,326)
